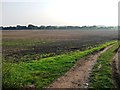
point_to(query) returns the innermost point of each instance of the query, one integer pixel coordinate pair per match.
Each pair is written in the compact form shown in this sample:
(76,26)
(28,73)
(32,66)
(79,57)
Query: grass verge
(101,76)
(42,72)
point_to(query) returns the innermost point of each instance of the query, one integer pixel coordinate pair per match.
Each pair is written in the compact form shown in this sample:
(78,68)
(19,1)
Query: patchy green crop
(42,72)
(101,73)
(24,50)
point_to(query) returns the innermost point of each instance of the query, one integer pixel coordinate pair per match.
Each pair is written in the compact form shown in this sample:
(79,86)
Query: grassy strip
(101,73)
(42,72)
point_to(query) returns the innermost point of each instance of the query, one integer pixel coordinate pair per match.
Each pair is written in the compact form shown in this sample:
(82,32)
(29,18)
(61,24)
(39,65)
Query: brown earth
(57,34)
(77,76)
(115,69)
(36,43)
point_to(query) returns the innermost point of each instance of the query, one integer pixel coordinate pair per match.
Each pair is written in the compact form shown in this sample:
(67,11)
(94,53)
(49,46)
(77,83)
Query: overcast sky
(60,12)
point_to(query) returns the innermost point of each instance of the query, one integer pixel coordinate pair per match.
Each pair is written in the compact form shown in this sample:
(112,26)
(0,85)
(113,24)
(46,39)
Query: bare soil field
(44,43)
(57,34)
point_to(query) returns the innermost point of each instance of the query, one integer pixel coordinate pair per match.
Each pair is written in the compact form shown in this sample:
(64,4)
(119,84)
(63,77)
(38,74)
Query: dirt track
(77,76)
(115,69)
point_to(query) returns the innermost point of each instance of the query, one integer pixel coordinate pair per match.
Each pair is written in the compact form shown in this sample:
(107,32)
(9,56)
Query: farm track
(78,75)
(115,69)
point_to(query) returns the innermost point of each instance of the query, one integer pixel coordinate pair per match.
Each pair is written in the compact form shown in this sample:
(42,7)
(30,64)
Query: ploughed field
(35,59)
(28,45)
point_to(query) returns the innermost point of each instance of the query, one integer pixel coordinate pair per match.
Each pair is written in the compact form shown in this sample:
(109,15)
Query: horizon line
(60,25)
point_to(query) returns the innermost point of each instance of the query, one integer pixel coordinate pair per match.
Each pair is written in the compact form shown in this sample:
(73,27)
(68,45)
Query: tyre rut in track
(78,75)
(115,69)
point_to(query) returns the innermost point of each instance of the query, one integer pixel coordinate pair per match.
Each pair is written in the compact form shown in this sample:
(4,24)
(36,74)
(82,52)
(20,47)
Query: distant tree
(18,27)
(9,28)
(1,27)
(30,26)
(42,27)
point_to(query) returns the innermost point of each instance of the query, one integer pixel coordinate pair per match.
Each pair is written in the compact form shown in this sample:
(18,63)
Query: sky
(59,12)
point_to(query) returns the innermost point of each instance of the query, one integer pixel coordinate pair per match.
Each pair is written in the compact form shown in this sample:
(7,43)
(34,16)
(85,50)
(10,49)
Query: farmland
(27,45)
(39,57)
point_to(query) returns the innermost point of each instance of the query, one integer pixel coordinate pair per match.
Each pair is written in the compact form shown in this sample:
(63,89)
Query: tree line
(33,27)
